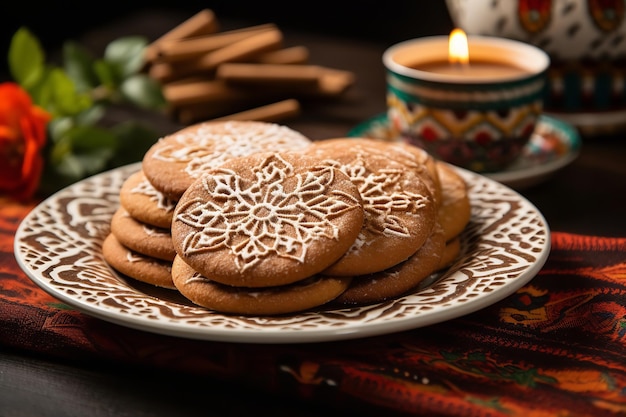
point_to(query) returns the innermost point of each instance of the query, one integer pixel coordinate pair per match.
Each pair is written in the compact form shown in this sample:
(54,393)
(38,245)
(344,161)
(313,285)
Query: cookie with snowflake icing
(145,203)
(412,157)
(400,212)
(304,294)
(177,160)
(267,219)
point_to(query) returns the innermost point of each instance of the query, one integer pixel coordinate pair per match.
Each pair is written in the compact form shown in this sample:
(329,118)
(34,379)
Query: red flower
(22,137)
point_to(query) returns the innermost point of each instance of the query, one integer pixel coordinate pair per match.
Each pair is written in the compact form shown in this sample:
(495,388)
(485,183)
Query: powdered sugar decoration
(383,200)
(208,147)
(262,218)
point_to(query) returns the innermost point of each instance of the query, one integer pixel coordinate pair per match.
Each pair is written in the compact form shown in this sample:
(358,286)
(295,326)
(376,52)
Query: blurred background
(384,21)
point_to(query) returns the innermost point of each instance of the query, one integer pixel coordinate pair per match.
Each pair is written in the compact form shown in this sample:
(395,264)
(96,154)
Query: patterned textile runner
(555,347)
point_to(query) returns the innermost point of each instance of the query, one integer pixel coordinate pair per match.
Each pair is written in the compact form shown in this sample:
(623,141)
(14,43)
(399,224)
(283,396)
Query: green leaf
(143,91)
(26,58)
(60,150)
(59,127)
(127,54)
(106,73)
(82,151)
(42,92)
(78,64)
(67,100)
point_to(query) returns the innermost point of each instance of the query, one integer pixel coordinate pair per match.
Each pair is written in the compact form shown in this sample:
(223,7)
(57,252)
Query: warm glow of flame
(458,51)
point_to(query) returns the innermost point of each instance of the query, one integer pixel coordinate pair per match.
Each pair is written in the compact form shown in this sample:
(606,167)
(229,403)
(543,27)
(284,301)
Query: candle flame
(458,50)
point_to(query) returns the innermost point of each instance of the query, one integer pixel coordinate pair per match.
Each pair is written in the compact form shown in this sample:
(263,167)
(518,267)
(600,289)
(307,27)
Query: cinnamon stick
(191,113)
(203,91)
(273,112)
(245,73)
(285,56)
(237,51)
(326,82)
(203,22)
(245,49)
(195,47)
(335,81)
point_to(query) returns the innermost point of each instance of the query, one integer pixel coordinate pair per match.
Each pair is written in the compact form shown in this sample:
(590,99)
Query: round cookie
(399,210)
(142,237)
(399,279)
(450,253)
(267,219)
(413,157)
(302,295)
(177,160)
(140,267)
(144,203)
(455,210)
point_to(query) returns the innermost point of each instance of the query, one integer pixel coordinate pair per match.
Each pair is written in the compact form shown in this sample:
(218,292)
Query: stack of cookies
(140,243)
(415,209)
(254,218)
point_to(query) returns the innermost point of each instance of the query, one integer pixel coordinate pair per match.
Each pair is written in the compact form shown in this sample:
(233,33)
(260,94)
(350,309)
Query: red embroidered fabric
(555,347)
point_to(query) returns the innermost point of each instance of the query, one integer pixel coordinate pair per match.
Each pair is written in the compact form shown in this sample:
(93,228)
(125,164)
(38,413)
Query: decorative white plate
(58,245)
(553,145)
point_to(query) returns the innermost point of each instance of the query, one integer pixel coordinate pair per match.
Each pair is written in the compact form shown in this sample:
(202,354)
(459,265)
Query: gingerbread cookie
(399,210)
(142,237)
(412,157)
(399,279)
(455,209)
(302,295)
(135,265)
(144,203)
(267,219)
(177,160)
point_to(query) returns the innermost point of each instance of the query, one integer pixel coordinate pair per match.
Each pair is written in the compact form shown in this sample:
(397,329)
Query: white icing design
(197,277)
(132,258)
(263,219)
(385,201)
(208,147)
(146,188)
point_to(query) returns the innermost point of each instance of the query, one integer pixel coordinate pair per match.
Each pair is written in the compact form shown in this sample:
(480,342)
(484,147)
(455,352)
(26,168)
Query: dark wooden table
(586,197)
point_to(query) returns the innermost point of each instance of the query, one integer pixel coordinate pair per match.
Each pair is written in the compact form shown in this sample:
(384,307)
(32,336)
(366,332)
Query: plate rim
(278,335)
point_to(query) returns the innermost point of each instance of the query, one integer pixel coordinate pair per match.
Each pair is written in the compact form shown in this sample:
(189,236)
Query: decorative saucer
(553,145)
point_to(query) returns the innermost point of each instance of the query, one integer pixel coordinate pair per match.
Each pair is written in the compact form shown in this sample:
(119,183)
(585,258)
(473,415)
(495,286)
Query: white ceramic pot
(586,41)
(565,29)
